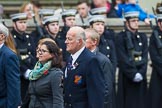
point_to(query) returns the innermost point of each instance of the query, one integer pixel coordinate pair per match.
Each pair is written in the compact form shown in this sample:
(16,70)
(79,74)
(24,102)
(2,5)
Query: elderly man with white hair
(9,74)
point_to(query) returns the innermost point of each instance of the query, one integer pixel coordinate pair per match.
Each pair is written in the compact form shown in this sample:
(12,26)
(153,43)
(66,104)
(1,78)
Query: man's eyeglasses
(41,51)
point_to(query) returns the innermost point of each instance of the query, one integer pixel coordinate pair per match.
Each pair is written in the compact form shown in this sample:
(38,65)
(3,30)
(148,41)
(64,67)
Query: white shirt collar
(76,55)
(1,45)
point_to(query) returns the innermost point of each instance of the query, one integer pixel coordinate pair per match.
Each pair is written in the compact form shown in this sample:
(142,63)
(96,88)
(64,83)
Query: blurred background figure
(31,8)
(27,7)
(83,12)
(116,2)
(110,11)
(1,11)
(131,5)
(159,8)
(36,7)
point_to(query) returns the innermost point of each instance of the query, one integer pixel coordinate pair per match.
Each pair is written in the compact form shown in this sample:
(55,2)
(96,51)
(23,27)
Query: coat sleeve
(13,81)
(109,78)
(57,90)
(95,85)
(156,58)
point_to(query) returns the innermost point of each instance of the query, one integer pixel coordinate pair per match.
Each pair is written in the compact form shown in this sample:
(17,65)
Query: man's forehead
(133,19)
(82,5)
(69,17)
(71,33)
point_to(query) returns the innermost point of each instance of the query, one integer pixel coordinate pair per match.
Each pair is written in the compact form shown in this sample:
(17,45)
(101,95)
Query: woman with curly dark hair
(45,88)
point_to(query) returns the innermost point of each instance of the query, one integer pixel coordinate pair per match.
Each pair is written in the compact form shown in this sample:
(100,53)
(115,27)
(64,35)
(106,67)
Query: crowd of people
(74,66)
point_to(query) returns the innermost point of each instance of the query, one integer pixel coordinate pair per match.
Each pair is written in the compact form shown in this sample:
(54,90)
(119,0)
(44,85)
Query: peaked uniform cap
(19,16)
(50,19)
(4,30)
(98,11)
(69,12)
(96,18)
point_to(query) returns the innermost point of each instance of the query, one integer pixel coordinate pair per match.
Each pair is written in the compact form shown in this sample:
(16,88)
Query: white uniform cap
(4,30)
(50,19)
(46,12)
(19,16)
(96,18)
(131,14)
(98,11)
(69,12)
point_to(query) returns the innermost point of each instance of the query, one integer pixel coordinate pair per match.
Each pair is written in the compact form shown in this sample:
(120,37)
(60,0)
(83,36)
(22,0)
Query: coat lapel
(77,65)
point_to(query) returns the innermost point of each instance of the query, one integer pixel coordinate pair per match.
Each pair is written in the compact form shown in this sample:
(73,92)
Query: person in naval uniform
(132,55)
(25,48)
(51,25)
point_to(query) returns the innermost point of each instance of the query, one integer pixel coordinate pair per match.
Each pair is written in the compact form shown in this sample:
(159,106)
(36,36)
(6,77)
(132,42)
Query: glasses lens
(42,51)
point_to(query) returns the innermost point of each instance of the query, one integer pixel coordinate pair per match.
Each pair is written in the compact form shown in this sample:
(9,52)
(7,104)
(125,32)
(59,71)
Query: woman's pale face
(20,25)
(53,27)
(99,27)
(44,54)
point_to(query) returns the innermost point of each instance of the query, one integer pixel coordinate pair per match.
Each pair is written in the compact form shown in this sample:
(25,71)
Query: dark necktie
(69,64)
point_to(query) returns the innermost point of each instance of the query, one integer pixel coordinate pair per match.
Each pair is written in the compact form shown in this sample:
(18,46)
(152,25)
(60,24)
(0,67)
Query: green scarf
(39,70)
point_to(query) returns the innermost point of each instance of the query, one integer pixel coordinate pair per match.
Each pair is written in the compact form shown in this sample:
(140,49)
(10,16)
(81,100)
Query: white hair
(4,30)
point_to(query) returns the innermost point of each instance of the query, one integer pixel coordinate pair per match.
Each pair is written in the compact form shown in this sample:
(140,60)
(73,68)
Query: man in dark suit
(84,81)
(92,41)
(9,74)
(106,43)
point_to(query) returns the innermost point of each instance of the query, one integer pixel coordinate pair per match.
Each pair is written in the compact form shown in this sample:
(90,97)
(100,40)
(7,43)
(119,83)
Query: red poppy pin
(45,72)
(78,79)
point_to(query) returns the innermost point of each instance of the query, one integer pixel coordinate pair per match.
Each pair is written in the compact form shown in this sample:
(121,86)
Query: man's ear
(46,27)
(79,40)
(127,23)
(2,37)
(95,42)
